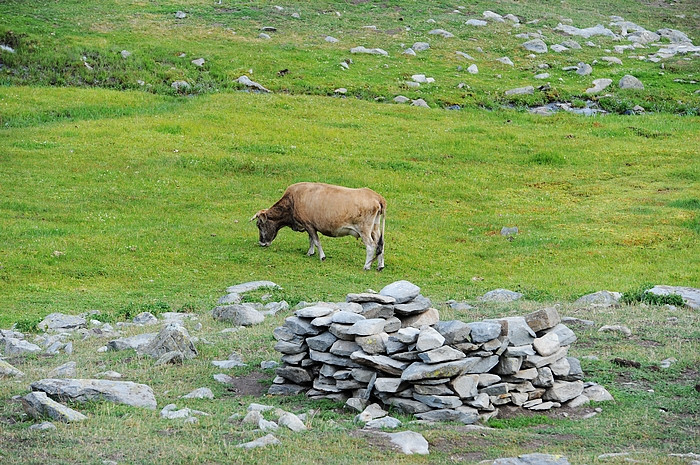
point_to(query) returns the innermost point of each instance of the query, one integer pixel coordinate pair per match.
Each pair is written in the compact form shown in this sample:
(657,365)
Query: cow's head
(268,229)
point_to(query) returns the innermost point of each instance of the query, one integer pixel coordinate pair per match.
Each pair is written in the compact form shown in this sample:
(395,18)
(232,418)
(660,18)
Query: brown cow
(333,211)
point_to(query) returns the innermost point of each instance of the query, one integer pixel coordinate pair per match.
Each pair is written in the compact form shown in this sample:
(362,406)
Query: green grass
(95,215)
(122,198)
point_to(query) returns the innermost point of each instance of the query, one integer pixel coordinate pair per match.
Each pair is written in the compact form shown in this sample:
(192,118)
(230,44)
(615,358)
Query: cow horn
(258,215)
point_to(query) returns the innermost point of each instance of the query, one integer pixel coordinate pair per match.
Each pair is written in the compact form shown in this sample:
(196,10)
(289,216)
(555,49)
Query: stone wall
(392,348)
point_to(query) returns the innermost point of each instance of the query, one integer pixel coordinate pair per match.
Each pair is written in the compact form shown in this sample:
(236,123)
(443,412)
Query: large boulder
(238,314)
(172,338)
(61,322)
(84,390)
(690,295)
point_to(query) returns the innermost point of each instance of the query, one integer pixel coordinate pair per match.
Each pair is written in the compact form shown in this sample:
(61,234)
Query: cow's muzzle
(263,244)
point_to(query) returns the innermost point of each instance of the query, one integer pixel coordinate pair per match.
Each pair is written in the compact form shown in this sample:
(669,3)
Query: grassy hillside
(71,43)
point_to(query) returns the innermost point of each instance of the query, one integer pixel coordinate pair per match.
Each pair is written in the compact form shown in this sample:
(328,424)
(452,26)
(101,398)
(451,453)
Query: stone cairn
(392,347)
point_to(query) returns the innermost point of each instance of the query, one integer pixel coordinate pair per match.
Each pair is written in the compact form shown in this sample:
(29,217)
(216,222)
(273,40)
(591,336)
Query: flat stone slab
(690,295)
(61,322)
(8,370)
(365,297)
(500,295)
(38,405)
(533,459)
(403,291)
(251,286)
(409,442)
(83,390)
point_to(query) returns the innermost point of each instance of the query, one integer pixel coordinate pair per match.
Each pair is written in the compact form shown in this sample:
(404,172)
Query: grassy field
(122,197)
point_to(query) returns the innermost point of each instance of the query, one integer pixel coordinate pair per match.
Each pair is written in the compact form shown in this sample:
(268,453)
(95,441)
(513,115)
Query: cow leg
(313,241)
(312,249)
(371,250)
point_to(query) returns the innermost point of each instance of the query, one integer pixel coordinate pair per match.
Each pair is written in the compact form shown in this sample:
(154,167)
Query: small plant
(28,325)
(642,294)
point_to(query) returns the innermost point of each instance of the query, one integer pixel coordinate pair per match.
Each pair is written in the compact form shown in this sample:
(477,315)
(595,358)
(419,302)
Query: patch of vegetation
(642,294)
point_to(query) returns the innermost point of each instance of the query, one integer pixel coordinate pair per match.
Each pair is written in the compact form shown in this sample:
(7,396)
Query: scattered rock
(630,82)
(38,405)
(421,46)
(536,45)
(599,85)
(501,295)
(408,442)
(180,15)
(246,81)
(601,299)
(624,330)
(442,33)
(198,62)
(476,22)
(83,390)
(371,51)
(690,295)
(267,440)
(180,85)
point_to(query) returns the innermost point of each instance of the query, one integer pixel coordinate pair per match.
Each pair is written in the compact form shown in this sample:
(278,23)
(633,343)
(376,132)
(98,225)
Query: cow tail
(380,244)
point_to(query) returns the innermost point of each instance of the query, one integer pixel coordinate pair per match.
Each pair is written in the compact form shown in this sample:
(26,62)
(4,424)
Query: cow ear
(261,215)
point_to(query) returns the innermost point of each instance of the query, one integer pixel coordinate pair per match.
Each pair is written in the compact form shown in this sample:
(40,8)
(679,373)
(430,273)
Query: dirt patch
(253,384)
(559,413)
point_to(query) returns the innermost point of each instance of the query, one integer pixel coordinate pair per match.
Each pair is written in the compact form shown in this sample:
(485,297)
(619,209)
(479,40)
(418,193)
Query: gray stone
(367,327)
(528,90)
(344,348)
(466,385)
(519,351)
(597,393)
(374,344)
(408,335)
(67,370)
(505,61)
(172,337)
(322,342)
(366,297)
(547,344)
(409,442)
(491,16)
(545,377)
(230,298)
(508,365)
(200,393)
(541,76)
(43,426)
(301,326)
(599,85)
(264,441)
(145,318)
(292,422)
(565,335)
(418,371)
(501,295)
(465,55)
(293,347)
(38,405)
(563,391)
(377,310)
(420,103)
(180,15)
(251,286)
(371,51)
(385,422)
(543,319)
(324,357)
(433,389)
(346,318)
(441,32)
(380,362)
(603,299)
(476,22)
(630,82)
(643,37)
(7,370)
(517,330)
(482,331)
(83,390)
(421,46)
(558,48)
(391,385)
(441,354)
(61,322)
(533,459)
(417,305)
(690,295)
(401,99)
(402,291)
(246,81)
(427,318)
(429,339)
(286,389)
(536,45)
(238,314)
(624,330)
(464,417)
(180,85)
(331,39)
(598,30)
(453,331)
(14,346)
(538,361)
(314,311)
